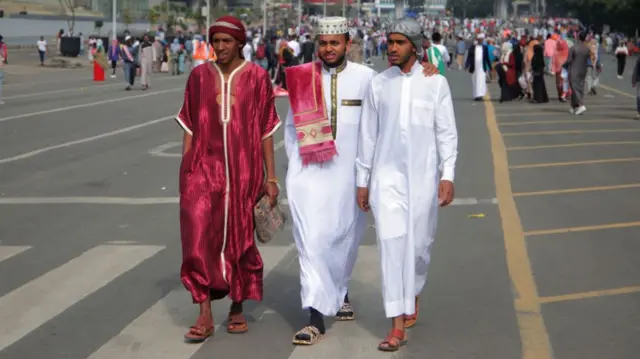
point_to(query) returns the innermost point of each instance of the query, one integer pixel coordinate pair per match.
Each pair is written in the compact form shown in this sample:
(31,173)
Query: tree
(126,17)
(69,8)
(620,14)
(98,24)
(154,15)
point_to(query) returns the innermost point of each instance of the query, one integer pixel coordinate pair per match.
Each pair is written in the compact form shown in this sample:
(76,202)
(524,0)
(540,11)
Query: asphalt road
(90,251)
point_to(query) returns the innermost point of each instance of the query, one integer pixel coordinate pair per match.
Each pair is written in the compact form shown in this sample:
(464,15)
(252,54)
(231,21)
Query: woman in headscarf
(507,75)
(537,72)
(100,61)
(146,56)
(560,58)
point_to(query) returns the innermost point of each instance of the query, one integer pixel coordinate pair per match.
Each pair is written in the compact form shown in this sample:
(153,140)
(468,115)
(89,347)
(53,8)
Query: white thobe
(327,224)
(407,133)
(479,77)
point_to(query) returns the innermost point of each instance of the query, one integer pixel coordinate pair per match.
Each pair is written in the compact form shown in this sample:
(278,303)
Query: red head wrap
(229,25)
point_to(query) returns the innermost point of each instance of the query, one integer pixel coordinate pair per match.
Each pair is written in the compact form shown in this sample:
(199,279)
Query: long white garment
(479,77)
(327,224)
(407,133)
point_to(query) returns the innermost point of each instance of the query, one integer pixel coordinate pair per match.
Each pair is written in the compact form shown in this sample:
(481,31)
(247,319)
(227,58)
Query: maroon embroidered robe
(221,178)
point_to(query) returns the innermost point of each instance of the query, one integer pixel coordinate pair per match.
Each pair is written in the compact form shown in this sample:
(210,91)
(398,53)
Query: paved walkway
(90,253)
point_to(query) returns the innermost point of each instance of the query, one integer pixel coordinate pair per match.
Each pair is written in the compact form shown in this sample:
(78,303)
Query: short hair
(436,37)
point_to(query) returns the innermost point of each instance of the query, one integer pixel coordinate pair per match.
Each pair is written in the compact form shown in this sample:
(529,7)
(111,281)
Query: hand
(272,191)
(362,197)
(445,193)
(429,69)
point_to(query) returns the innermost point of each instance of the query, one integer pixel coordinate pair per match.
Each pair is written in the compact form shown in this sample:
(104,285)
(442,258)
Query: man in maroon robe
(228,117)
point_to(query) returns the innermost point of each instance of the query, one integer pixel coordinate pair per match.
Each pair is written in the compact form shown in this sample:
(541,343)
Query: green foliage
(620,14)
(127,18)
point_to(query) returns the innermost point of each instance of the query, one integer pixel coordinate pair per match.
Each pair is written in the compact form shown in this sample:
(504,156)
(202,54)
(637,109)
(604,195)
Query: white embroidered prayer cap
(332,26)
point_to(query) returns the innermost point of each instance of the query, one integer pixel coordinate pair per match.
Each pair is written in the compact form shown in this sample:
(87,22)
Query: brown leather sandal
(237,324)
(393,341)
(200,331)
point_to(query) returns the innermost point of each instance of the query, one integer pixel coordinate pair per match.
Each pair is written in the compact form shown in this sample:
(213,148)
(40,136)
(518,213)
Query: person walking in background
(550,47)
(3,61)
(578,57)
(146,61)
(538,67)
(621,55)
(114,55)
(129,66)
(634,83)
(308,50)
(461,49)
(42,49)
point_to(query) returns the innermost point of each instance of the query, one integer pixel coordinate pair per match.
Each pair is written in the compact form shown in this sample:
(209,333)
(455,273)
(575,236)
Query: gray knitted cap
(412,30)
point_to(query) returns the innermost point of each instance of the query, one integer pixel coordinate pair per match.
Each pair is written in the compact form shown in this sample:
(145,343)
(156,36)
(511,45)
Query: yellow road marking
(600,227)
(590,294)
(519,114)
(511,134)
(623,93)
(576,190)
(575,163)
(533,333)
(521,148)
(518,123)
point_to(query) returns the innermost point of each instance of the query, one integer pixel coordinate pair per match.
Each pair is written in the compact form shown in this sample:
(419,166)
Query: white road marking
(77,89)
(89,200)
(157,332)
(7,252)
(90,104)
(83,140)
(160,150)
(33,304)
(473,201)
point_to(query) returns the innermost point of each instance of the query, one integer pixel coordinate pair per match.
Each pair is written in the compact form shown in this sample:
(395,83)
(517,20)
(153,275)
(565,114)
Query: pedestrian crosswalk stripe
(7,252)
(41,299)
(158,332)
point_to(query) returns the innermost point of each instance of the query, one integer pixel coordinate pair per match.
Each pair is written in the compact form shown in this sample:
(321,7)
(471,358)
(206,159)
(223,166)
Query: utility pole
(344,8)
(299,12)
(208,20)
(324,8)
(264,20)
(114,14)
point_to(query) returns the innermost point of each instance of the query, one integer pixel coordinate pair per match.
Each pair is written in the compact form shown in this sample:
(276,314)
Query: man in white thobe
(407,132)
(478,63)
(327,224)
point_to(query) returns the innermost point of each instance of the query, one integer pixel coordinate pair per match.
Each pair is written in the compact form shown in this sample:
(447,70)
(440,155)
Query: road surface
(540,247)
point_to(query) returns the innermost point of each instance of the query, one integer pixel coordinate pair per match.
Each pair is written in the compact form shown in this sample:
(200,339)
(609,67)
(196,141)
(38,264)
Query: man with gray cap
(407,151)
